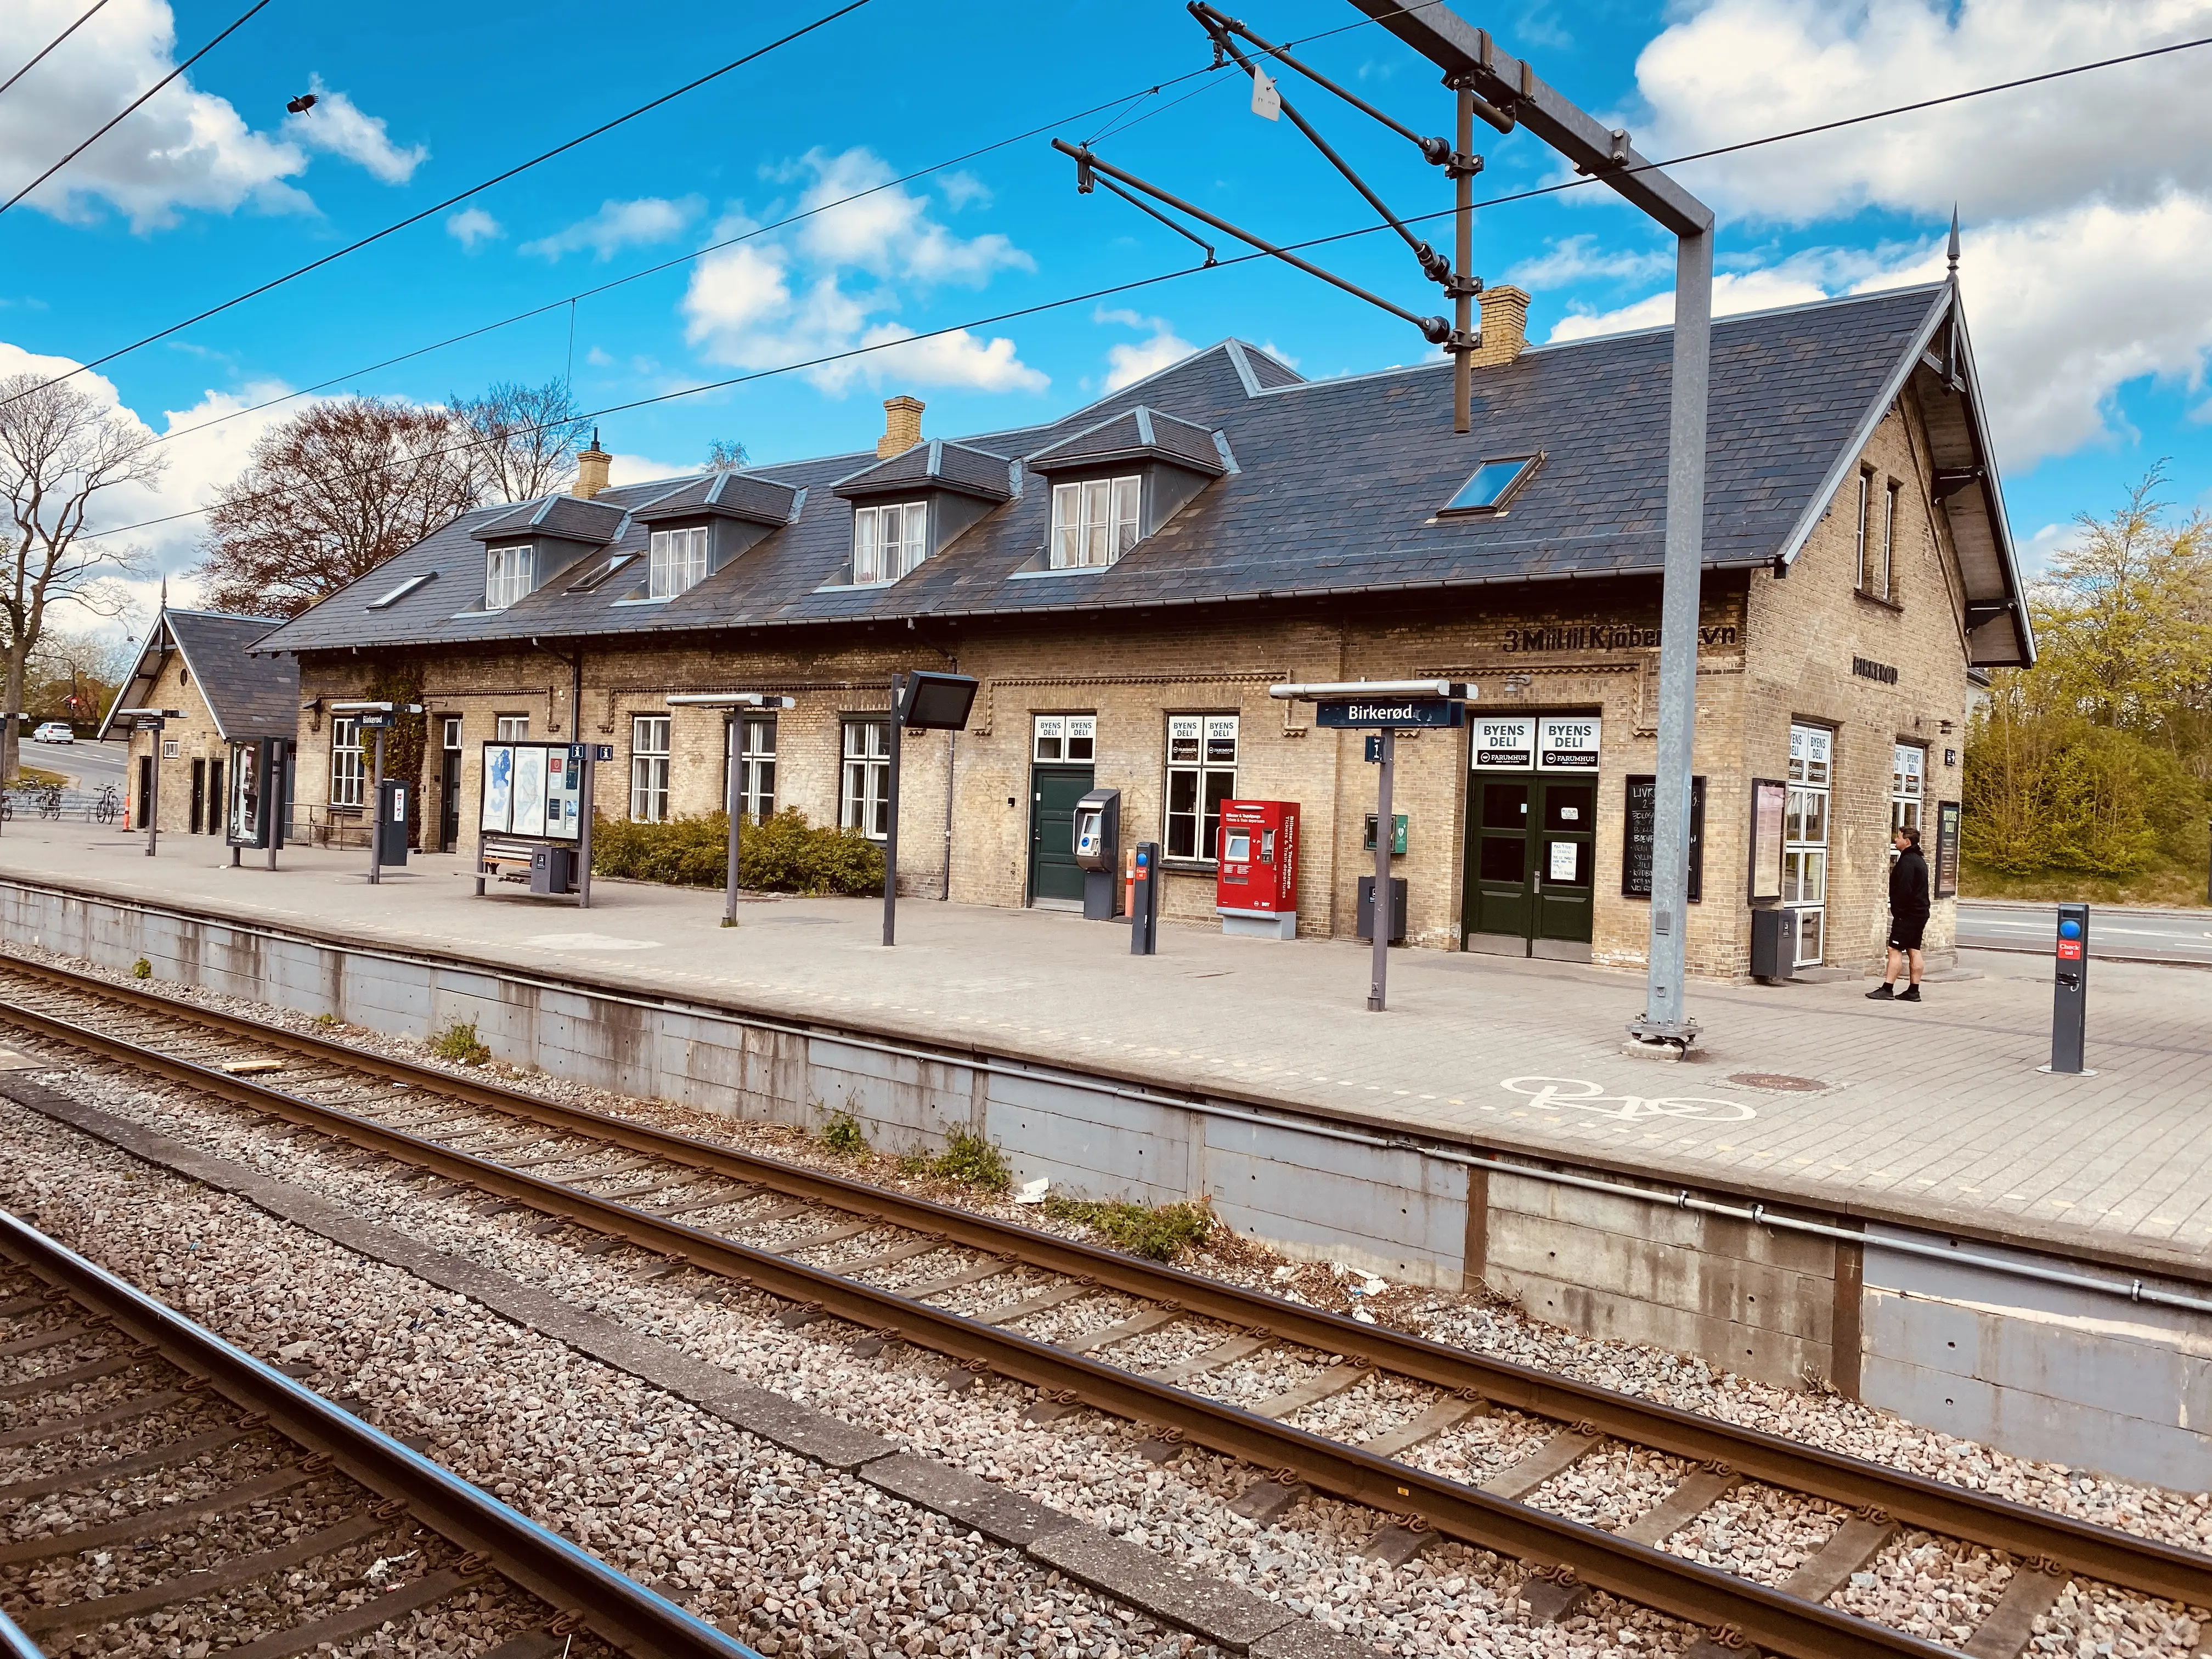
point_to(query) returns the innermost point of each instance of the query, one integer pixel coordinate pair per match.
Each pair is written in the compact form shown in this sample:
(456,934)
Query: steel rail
(2144,1564)
(1668,1583)
(577,1585)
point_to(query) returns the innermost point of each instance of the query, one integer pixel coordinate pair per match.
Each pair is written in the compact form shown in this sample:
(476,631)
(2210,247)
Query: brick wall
(196,738)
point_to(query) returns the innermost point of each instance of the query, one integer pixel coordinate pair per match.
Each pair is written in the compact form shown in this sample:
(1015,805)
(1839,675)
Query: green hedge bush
(780,855)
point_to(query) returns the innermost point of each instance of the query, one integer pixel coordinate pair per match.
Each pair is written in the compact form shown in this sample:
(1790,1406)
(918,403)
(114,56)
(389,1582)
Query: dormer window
(679,561)
(889,541)
(509,574)
(1095,522)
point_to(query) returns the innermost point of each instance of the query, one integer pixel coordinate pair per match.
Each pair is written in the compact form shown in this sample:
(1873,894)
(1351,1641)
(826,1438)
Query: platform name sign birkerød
(1367,714)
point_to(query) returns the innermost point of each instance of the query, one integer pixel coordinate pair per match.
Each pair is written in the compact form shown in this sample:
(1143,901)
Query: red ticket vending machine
(1256,886)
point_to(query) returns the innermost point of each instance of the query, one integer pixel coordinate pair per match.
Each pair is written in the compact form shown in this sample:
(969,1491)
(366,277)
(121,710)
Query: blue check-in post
(2070,990)
(1383,707)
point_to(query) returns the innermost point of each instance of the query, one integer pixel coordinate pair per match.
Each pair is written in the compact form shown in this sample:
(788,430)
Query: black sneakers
(1909,994)
(1884,992)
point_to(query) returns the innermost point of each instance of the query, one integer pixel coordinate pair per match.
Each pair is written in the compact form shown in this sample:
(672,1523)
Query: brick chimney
(591,469)
(902,426)
(1505,325)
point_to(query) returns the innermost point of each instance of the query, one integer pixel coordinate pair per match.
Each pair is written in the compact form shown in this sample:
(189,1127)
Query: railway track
(900,1267)
(213,1486)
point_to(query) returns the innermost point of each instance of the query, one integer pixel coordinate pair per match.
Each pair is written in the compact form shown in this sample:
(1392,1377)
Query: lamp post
(923,700)
(378,717)
(152,721)
(733,705)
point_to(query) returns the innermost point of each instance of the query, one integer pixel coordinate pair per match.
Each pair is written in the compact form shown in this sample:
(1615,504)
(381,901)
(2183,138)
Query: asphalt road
(91,764)
(2114,933)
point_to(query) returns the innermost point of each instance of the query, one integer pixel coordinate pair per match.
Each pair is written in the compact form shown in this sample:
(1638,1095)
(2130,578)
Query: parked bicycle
(108,807)
(50,801)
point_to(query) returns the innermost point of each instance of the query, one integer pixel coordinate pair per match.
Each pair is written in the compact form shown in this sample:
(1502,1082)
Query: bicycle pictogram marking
(1585,1096)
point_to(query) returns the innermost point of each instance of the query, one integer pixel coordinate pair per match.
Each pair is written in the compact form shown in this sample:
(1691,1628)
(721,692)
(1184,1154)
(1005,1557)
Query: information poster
(1506,742)
(1947,849)
(1567,742)
(1769,796)
(529,812)
(1640,828)
(498,786)
(564,785)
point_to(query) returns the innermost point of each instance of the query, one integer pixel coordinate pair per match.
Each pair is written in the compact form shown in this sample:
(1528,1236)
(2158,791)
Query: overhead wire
(83,18)
(544,157)
(135,103)
(1158,278)
(1134,99)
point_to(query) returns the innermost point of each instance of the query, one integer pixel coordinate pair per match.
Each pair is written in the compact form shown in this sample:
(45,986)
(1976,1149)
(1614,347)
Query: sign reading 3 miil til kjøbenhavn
(1354,713)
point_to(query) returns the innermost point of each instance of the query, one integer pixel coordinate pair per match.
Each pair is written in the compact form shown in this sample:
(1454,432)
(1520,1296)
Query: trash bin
(552,869)
(391,824)
(1397,909)
(1773,944)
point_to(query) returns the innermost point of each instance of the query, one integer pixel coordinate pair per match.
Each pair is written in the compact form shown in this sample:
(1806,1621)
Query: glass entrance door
(1805,837)
(1565,849)
(1497,898)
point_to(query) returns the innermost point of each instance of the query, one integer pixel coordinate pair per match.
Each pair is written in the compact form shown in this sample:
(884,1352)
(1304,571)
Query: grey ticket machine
(1098,851)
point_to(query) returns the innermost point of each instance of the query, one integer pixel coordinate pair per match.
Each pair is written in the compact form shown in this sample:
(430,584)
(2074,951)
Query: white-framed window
(1064,738)
(889,541)
(1805,836)
(1095,522)
(513,728)
(170,748)
(648,769)
(345,761)
(1908,786)
(452,736)
(509,574)
(1201,774)
(677,561)
(1888,571)
(864,801)
(756,758)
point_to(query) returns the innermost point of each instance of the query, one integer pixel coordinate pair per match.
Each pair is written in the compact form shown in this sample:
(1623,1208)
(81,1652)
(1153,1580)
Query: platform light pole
(734,705)
(152,721)
(378,717)
(923,700)
(1506,94)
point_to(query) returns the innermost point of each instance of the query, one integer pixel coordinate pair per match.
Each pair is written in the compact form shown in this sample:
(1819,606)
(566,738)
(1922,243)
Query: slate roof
(934,464)
(1333,492)
(1137,435)
(596,521)
(728,494)
(248,695)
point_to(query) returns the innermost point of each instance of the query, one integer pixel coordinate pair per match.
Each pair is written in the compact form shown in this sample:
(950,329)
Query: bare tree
(328,496)
(73,674)
(528,438)
(726,455)
(60,450)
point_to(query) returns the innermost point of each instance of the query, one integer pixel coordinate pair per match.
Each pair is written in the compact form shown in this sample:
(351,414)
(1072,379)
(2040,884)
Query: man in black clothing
(1908,918)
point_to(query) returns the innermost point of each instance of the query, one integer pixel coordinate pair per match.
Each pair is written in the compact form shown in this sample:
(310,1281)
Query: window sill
(1069,570)
(1878,599)
(860,587)
(665,598)
(1190,866)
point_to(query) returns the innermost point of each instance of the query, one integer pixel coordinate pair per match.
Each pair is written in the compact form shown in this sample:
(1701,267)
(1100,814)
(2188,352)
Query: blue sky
(2086,244)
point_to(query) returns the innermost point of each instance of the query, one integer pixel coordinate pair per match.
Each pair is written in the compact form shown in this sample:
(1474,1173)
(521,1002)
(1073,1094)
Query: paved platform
(1933,1114)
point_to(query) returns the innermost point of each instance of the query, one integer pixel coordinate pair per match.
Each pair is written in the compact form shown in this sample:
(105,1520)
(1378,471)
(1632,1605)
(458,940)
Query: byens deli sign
(1542,743)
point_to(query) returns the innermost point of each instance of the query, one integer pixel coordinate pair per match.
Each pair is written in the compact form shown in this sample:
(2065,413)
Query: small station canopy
(374,708)
(155,714)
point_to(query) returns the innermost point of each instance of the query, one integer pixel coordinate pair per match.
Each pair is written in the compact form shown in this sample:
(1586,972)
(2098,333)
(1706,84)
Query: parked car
(55,732)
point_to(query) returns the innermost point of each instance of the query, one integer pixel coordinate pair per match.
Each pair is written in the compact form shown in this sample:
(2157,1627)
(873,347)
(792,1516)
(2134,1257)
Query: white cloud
(777,301)
(643,469)
(1739,69)
(1127,363)
(336,123)
(619,225)
(1733,292)
(1579,258)
(964,190)
(184,149)
(473,225)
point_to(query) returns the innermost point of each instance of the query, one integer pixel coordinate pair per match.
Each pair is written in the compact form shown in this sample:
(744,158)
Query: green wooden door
(1564,852)
(1053,791)
(1498,899)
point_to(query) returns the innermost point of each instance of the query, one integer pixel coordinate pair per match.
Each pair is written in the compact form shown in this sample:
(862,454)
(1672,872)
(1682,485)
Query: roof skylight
(405,588)
(1494,483)
(599,572)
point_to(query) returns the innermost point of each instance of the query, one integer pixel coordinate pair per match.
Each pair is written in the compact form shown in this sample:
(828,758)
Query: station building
(202,665)
(1127,581)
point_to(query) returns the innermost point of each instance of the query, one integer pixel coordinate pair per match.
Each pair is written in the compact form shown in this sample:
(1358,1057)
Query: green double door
(1053,791)
(1531,855)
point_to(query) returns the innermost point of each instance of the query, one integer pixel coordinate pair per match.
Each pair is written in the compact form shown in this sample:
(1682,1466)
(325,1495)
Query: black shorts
(1904,932)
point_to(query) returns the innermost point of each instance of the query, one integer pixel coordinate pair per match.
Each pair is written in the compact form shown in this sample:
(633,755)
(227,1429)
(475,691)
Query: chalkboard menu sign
(1947,849)
(1641,825)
